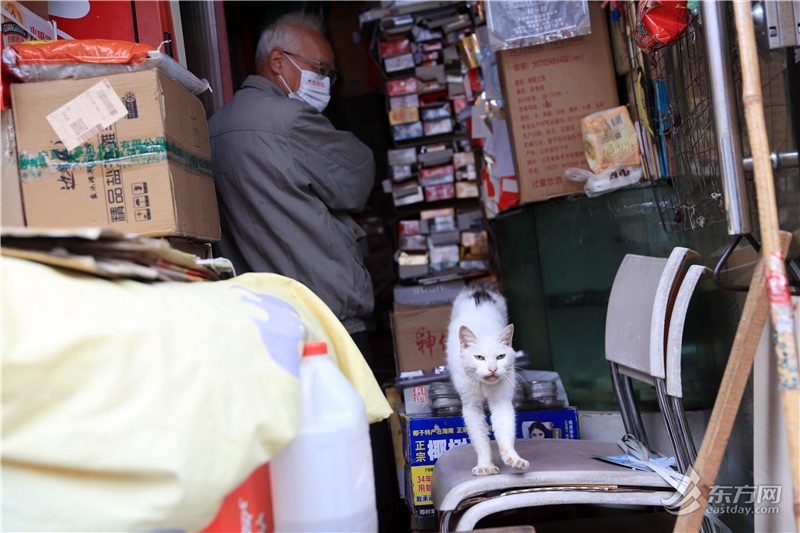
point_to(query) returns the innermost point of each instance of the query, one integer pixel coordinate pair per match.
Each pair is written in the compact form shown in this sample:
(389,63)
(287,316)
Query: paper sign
(87,114)
(502,149)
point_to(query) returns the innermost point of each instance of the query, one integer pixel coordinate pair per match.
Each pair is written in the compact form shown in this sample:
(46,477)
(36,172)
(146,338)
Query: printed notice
(87,114)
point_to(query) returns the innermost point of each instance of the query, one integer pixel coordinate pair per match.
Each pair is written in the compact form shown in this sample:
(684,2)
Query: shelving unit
(433,169)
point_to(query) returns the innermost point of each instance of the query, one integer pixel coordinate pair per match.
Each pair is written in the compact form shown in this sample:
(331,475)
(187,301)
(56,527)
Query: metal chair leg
(631,417)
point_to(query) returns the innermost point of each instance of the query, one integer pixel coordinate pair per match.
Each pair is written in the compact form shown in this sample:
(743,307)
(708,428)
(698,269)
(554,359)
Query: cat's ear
(507,335)
(466,337)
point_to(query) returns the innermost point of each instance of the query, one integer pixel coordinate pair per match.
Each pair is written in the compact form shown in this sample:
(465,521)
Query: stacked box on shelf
(431,173)
(440,239)
(425,83)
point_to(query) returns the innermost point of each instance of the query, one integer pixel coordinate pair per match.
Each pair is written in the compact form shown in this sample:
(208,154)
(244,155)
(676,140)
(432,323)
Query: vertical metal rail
(726,122)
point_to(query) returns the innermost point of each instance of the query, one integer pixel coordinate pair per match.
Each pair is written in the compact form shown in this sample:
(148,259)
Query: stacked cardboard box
(127,151)
(547,90)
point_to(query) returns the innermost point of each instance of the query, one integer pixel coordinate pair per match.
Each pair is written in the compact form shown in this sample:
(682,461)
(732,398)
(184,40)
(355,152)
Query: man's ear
(273,65)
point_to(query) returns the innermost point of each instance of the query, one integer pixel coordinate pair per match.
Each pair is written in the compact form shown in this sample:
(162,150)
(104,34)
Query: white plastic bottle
(323,480)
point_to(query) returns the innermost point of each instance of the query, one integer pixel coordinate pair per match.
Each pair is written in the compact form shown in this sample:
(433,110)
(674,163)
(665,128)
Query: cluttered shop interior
(400,266)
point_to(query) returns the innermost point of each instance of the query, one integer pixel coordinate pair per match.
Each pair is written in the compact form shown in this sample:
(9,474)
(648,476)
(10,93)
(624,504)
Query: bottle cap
(315,348)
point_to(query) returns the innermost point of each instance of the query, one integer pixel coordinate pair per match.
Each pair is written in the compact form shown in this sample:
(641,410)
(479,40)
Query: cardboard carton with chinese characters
(547,90)
(128,151)
(420,334)
(426,438)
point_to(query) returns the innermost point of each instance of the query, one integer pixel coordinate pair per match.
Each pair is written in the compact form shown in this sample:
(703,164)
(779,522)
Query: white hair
(281,33)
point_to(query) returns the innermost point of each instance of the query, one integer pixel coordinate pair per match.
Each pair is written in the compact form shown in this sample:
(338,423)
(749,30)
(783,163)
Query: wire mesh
(676,112)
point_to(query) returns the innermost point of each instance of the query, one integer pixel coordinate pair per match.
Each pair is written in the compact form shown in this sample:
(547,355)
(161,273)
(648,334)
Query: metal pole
(726,121)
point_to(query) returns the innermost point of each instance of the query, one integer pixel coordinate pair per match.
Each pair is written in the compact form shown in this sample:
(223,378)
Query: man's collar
(260,82)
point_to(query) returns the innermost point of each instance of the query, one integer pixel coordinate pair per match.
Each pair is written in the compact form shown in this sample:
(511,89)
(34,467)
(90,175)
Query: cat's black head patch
(482,296)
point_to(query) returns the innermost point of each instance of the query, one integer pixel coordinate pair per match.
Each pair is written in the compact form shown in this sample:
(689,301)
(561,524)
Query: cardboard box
(200,249)
(420,334)
(148,172)
(11,211)
(426,438)
(547,90)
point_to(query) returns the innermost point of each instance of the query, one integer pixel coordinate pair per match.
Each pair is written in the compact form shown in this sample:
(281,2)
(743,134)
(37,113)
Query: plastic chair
(561,472)
(637,321)
(564,471)
(626,321)
(683,444)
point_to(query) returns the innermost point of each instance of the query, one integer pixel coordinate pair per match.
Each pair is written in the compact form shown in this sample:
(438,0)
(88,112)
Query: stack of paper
(111,254)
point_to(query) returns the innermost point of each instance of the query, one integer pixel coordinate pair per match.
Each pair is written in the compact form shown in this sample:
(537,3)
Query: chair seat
(453,481)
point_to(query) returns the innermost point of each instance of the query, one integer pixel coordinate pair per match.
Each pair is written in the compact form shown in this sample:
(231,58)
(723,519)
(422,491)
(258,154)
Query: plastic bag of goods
(610,140)
(659,23)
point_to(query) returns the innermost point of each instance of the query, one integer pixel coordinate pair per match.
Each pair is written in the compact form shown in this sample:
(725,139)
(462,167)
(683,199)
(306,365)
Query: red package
(401,86)
(408,227)
(660,22)
(395,47)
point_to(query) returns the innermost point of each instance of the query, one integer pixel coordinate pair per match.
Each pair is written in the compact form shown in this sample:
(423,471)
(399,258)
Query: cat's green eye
(502,355)
(480,357)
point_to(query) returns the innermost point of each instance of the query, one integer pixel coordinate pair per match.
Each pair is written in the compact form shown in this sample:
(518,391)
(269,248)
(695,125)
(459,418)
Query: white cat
(481,364)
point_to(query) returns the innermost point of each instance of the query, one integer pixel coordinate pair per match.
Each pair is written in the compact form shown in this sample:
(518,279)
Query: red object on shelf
(104,20)
(143,21)
(248,507)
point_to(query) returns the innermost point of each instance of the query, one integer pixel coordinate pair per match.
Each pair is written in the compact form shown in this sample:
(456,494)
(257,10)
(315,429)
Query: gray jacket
(286,180)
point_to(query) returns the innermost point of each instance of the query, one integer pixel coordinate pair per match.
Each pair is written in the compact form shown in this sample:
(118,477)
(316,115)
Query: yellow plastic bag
(130,406)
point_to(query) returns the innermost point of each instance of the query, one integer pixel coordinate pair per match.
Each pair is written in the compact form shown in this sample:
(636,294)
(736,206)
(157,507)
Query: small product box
(404,115)
(409,85)
(395,47)
(398,63)
(435,193)
(404,101)
(402,156)
(436,175)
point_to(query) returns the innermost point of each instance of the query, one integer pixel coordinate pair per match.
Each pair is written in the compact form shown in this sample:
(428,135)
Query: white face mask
(314,89)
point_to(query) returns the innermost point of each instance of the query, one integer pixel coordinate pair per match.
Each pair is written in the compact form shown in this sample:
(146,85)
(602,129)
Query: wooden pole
(780,302)
(731,390)
(776,288)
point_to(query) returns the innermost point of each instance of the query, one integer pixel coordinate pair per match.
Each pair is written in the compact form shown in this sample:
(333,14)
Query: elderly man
(287,180)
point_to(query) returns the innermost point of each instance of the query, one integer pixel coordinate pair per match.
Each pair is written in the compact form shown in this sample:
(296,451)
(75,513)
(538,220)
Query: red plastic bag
(660,22)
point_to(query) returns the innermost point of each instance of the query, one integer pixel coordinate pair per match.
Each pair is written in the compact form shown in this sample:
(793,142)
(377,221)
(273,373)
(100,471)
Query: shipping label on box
(425,439)
(142,167)
(547,90)
(420,334)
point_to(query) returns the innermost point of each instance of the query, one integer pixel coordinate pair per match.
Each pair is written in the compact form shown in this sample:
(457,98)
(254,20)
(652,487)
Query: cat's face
(491,359)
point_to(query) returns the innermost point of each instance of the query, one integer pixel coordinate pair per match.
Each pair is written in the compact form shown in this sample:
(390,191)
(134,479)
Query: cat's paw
(513,460)
(486,470)
(519,463)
